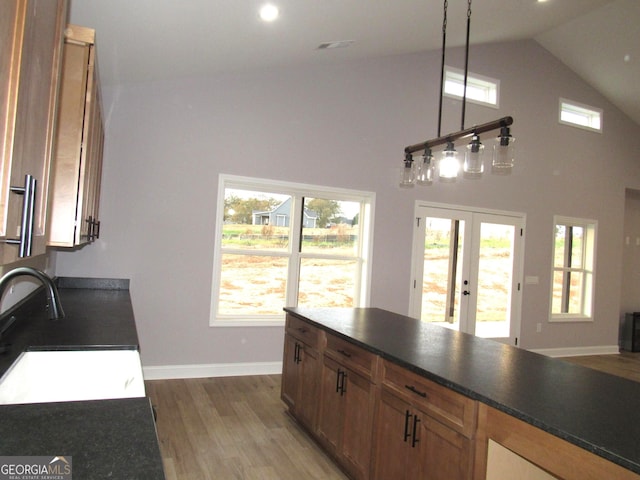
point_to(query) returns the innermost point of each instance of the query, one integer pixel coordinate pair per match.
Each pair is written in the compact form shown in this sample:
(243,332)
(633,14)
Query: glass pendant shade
(426,169)
(473,159)
(408,176)
(449,164)
(503,153)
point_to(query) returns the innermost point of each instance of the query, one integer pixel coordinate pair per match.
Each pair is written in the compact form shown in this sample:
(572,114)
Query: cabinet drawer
(448,407)
(303,331)
(351,355)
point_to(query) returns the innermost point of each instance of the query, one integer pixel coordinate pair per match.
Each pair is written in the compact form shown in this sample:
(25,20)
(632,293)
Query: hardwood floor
(626,364)
(233,428)
(237,428)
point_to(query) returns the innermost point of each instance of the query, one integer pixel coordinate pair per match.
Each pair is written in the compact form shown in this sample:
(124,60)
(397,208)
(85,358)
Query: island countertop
(593,410)
(105,438)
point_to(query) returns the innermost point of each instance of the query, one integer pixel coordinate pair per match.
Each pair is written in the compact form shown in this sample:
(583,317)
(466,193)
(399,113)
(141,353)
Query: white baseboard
(164,372)
(578,351)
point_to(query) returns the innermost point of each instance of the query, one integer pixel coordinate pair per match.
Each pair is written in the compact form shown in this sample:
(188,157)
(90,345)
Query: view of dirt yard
(254,275)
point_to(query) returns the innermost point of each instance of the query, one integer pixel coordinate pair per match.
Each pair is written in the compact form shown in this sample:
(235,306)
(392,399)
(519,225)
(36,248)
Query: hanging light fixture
(449,165)
(503,152)
(473,161)
(426,169)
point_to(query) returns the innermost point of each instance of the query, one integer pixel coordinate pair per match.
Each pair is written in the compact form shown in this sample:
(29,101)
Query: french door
(466,271)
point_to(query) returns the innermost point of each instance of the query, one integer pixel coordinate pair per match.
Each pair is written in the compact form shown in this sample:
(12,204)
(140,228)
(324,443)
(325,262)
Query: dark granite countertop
(593,410)
(105,438)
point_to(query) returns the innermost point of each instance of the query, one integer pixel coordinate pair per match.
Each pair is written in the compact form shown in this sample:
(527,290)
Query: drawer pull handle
(346,354)
(416,391)
(302,330)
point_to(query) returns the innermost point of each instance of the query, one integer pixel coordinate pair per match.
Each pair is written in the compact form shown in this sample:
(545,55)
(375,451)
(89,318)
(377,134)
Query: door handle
(466,292)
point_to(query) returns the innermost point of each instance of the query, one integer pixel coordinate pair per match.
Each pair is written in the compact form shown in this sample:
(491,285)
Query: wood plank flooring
(233,428)
(237,427)
(625,364)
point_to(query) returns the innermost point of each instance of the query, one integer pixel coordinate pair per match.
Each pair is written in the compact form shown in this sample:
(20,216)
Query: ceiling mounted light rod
(466,66)
(452,137)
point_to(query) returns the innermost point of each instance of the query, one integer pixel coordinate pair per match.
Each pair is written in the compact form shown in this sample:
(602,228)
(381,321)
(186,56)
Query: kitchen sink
(69,375)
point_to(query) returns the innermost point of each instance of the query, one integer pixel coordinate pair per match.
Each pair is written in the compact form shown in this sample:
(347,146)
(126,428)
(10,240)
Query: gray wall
(344,125)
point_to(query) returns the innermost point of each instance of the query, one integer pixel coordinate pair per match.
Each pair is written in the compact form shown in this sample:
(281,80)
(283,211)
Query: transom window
(481,90)
(283,244)
(579,115)
(573,269)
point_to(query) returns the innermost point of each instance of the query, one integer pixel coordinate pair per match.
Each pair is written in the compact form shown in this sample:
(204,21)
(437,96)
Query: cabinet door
(41,39)
(392,438)
(79,146)
(309,375)
(359,401)
(332,406)
(290,375)
(445,454)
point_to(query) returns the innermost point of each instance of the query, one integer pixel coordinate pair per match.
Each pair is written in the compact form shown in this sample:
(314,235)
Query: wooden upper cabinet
(77,167)
(31,37)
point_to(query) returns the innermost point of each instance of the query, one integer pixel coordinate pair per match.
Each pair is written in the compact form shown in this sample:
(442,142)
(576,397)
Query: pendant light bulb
(503,153)
(426,169)
(473,158)
(408,176)
(449,164)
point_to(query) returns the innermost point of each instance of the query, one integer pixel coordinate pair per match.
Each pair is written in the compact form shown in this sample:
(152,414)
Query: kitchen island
(105,438)
(568,420)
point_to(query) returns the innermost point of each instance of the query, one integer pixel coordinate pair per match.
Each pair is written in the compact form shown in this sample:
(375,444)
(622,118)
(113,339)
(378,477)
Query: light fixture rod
(466,66)
(452,137)
(444,46)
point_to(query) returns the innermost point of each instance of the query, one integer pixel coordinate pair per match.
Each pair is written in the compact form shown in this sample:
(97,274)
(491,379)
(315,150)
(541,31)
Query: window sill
(570,318)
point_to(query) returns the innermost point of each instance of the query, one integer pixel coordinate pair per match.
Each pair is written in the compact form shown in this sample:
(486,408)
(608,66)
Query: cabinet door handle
(338,374)
(343,384)
(407,417)
(346,354)
(97,229)
(415,439)
(340,383)
(26,225)
(296,353)
(416,391)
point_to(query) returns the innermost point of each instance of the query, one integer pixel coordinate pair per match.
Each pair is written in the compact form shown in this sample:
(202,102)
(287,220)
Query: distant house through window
(285,244)
(481,90)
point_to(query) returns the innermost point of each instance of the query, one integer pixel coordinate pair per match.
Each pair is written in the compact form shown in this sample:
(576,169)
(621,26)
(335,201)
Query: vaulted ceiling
(143,40)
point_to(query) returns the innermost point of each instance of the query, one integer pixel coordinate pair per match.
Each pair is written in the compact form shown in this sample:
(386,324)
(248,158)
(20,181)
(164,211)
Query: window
(574,245)
(283,244)
(578,115)
(481,90)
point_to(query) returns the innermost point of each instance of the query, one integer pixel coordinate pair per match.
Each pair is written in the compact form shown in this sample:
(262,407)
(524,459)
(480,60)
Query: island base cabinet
(346,417)
(409,444)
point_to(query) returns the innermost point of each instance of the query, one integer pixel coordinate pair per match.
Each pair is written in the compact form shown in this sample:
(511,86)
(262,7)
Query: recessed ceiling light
(269,12)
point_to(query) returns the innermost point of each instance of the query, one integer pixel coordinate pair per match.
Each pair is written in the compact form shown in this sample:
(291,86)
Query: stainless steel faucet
(55,307)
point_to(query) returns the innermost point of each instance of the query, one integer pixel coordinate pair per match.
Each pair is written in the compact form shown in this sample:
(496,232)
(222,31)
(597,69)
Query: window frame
(571,106)
(297,191)
(473,79)
(587,269)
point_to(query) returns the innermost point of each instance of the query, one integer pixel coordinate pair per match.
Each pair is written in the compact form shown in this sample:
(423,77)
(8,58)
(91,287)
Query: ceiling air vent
(338,44)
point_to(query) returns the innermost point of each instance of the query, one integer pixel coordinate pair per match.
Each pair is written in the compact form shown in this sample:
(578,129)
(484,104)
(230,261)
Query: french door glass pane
(252,285)
(442,264)
(327,282)
(495,266)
